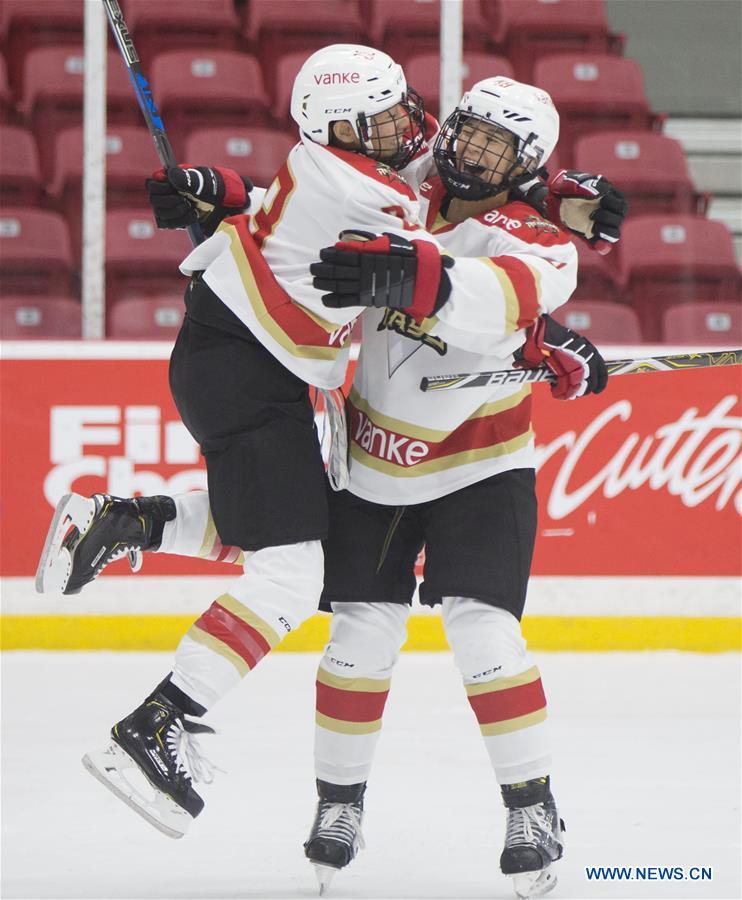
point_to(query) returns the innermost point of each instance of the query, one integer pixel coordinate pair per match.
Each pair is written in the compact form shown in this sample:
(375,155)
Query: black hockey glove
(207,194)
(576,362)
(366,269)
(589,206)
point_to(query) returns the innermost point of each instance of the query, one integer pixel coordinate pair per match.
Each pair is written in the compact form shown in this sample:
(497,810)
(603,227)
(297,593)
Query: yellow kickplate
(573,633)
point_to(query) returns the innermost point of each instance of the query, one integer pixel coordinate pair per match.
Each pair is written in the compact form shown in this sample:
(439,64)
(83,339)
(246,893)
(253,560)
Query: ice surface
(647,772)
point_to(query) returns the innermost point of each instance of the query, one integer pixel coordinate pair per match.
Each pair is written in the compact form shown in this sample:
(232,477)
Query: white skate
(115,769)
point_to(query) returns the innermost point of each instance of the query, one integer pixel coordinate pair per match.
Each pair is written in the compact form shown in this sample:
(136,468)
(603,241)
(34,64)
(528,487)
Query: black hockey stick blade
(672,363)
(143,94)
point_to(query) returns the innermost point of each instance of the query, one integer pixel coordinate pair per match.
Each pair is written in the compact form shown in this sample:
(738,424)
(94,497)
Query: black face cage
(475,182)
(410,136)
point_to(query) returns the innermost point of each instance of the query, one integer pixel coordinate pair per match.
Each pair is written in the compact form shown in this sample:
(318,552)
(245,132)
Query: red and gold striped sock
(348,725)
(235,633)
(511,712)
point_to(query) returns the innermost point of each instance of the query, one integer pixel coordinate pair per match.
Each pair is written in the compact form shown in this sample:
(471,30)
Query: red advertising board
(642,480)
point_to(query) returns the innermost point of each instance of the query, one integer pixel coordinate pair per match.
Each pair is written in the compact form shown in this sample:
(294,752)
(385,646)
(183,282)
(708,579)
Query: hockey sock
(353,681)
(503,686)
(279,589)
(192,532)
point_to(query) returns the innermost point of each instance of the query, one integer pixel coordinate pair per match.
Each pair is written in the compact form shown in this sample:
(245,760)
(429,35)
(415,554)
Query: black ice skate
(88,533)
(151,763)
(533,840)
(336,834)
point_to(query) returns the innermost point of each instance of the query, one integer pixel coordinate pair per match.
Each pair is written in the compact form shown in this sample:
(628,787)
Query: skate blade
(324,875)
(534,884)
(55,564)
(109,765)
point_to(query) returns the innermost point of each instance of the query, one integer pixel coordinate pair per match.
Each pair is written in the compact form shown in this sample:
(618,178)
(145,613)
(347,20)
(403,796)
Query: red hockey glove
(577,364)
(589,206)
(365,269)
(186,194)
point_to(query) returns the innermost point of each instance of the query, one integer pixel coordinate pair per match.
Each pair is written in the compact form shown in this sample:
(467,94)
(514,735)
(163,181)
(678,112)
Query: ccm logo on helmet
(337,78)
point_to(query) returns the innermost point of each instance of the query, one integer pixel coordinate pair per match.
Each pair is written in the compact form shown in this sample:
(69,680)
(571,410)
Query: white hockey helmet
(354,83)
(524,111)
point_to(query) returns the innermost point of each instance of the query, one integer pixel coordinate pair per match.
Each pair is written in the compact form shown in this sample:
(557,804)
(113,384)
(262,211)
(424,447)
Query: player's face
(388,130)
(485,150)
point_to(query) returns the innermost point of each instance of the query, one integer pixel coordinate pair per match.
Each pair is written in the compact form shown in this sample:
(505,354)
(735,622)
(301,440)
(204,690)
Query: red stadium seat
(601,321)
(597,276)
(694,323)
(159,25)
(130,158)
(594,92)
(6,100)
(53,92)
(37,23)
(20,177)
(277,27)
(24,318)
(146,318)
(255,152)
(35,253)
(676,259)
(424,71)
(286,72)
(650,168)
(142,260)
(529,29)
(413,27)
(204,88)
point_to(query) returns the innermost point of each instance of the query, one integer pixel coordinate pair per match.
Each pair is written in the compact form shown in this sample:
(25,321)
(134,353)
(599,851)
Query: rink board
(639,537)
(573,614)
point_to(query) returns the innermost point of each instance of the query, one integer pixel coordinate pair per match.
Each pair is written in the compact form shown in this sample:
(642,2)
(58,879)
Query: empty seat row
(137,318)
(521,29)
(650,168)
(605,322)
(159,317)
(130,158)
(194,89)
(36,254)
(661,260)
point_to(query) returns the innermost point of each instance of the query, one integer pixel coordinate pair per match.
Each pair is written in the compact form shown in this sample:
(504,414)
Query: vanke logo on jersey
(396,320)
(385,444)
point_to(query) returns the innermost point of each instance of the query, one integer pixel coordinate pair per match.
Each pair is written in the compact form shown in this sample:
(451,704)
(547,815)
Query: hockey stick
(615,367)
(144,97)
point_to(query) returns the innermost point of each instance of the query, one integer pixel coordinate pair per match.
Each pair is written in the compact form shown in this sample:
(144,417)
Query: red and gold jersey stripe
(521,288)
(296,329)
(495,429)
(508,704)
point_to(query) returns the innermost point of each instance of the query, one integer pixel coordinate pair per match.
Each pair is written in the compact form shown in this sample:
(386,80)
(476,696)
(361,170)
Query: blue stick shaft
(144,98)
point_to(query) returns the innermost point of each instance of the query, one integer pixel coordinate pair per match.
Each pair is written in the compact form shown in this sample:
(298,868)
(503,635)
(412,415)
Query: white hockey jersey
(410,447)
(317,193)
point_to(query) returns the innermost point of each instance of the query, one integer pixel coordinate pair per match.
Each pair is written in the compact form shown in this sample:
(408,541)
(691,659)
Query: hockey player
(254,335)
(452,472)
